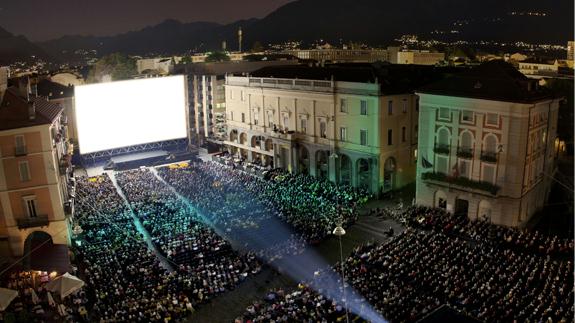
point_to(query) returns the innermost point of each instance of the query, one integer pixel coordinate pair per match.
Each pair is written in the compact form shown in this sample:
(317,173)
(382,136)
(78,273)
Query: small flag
(425,163)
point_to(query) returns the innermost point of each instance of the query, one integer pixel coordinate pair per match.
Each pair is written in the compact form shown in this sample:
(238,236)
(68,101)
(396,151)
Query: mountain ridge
(374,22)
(17,47)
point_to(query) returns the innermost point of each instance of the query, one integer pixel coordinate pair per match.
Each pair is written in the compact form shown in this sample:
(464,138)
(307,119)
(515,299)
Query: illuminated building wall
(487,158)
(347,132)
(34,171)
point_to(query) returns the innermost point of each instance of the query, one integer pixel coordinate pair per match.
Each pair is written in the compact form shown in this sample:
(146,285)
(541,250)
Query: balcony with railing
(69,207)
(459,182)
(65,164)
(38,221)
(465,152)
(489,156)
(20,151)
(442,149)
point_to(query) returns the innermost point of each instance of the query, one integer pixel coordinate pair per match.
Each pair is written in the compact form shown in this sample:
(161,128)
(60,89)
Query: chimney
(24,87)
(31,110)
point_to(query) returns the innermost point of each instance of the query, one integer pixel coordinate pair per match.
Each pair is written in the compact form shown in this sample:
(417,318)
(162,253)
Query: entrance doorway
(461,207)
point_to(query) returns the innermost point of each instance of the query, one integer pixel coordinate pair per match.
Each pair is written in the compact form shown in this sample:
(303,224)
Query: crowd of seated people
(502,276)
(301,305)
(482,230)
(124,279)
(234,199)
(199,254)
(33,303)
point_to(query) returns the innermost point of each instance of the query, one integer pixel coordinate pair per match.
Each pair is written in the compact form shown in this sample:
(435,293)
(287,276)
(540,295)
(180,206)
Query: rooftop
(15,109)
(53,90)
(393,79)
(493,80)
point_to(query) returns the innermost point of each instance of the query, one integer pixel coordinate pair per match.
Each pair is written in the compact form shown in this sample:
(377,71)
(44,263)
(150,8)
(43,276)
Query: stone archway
(34,244)
(389,174)
(484,210)
(244,154)
(364,174)
(36,239)
(257,142)
(322,164)
(269,145)
(243,138)
(303,160)
(234,135)
(345,170)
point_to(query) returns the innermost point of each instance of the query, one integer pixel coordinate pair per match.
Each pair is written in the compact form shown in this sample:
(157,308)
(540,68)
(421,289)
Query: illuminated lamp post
(334,156)
(339,231)
(77,230)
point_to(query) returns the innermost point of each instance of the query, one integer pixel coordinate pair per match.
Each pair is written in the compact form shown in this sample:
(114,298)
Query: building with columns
(35,172)
(487,145)
(353,124)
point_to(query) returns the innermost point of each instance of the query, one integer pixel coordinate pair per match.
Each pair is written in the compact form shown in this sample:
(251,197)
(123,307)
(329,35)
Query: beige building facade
(347,132)
(341,55)
(483,152)
(35,171)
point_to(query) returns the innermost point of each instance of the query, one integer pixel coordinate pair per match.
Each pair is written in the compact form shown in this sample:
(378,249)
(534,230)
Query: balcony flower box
(461,181)
(489,157)
(441,149)
(466,153)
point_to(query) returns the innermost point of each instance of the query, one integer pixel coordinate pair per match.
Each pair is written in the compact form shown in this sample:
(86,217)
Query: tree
(114,66)
(186,60)
(217,57)
(257,47)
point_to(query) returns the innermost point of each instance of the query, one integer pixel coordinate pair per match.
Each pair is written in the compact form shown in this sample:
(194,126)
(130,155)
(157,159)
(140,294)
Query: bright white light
(125,113)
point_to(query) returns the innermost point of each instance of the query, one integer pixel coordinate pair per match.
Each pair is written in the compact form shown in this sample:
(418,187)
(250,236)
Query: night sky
(46,19)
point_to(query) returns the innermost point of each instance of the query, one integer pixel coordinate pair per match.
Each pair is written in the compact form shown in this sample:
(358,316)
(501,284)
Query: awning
(6,297)
(65,285)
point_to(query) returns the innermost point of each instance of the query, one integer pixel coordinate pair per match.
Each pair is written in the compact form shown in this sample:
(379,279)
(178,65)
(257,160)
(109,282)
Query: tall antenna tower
(240,35)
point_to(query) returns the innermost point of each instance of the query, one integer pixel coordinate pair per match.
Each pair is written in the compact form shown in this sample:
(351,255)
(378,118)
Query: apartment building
(35,171)
(487,144)
(350,124)
(417,57)
(207,98)
(338,55)
(64,96)
(535,67)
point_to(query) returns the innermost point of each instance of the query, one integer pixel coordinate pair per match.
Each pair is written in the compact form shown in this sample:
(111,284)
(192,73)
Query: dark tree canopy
(116,66)
(217,57)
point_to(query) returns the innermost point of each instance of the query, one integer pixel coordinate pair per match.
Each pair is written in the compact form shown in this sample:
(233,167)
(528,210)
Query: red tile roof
(14,111)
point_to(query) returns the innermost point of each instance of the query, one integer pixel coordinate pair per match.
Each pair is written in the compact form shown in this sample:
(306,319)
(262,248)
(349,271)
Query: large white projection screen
(125,113)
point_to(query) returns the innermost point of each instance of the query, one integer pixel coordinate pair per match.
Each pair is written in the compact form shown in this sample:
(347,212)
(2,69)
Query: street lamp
(339,231)
(77,230)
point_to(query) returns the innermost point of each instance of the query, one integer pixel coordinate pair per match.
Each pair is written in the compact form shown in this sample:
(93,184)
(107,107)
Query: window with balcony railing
(38,221)
(463,182)
(465,152)
(489,156)
(441,149)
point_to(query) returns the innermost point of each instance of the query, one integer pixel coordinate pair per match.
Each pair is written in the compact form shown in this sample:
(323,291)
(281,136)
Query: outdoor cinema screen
(126,113)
